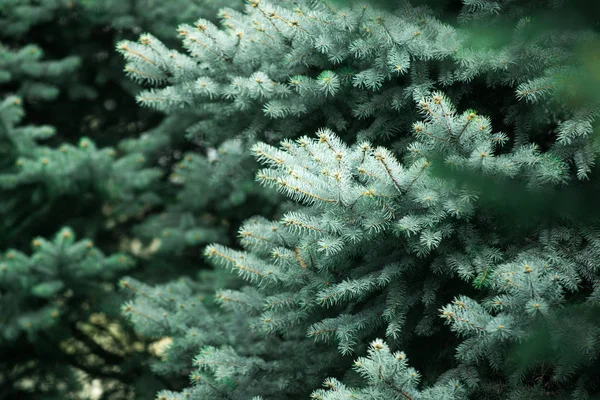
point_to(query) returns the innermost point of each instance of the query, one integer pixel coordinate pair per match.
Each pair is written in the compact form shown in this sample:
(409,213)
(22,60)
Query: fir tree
(405,225)
(42,316)
(64,105)
(58,305)
(397,197)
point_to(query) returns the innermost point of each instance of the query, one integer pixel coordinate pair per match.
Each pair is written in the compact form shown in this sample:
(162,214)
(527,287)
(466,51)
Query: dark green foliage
(53,302)
(65,106)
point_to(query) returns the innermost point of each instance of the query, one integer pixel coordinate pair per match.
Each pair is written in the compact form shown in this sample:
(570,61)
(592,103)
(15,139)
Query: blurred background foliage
(61,80)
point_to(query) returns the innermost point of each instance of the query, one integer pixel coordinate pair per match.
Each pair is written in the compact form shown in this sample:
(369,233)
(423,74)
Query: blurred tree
(65,105)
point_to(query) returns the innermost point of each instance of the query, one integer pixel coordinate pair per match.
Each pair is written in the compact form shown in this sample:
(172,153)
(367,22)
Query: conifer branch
(126,48)
(381,158)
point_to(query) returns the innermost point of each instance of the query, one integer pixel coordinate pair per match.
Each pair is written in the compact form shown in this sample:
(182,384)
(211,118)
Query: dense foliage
(447,241)
(386,199)
(65,106)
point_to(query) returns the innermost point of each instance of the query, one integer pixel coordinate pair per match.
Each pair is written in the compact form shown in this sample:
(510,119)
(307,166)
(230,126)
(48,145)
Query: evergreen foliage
(411,223)
(64,106)
(41,176)
(42,316)
(334,188)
